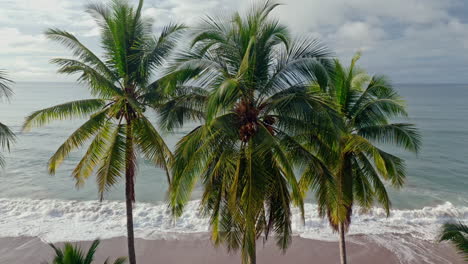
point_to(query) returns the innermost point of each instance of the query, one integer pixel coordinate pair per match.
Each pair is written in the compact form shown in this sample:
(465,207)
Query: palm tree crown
(71,254)
(122,85)
(6,135)
(367,106)
(246,81)
(367,113)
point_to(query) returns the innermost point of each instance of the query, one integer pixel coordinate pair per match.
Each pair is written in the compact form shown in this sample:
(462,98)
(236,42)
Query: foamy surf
(61,220)
(420,223)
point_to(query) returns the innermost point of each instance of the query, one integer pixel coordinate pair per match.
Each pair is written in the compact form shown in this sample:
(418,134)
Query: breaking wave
(62,220)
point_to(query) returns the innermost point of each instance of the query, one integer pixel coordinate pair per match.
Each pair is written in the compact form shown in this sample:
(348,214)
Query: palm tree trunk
(253,259)
(130,236)
(253,256)
(342,244)
(253,253)
(130,192)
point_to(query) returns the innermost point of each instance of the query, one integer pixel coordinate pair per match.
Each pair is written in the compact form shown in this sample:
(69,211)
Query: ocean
(33,203)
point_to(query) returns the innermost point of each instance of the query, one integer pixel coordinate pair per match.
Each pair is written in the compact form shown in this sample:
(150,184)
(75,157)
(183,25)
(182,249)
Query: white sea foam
(420,223)
(60,220)
(406,249)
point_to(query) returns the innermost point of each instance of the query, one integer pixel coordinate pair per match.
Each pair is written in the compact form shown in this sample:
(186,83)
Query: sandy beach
(197,249)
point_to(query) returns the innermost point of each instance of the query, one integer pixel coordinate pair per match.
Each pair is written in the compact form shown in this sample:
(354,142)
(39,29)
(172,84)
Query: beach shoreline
(198,249)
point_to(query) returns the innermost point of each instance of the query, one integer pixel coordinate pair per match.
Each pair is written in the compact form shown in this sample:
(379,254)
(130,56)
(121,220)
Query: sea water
(34,203)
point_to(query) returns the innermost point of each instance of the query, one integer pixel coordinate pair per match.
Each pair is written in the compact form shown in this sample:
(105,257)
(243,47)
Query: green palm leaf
(113,163)
(457,233)
(7,137)
(94,155)
(400,134)
(5,90)
(99,84)
(152,145)
(77,139)
(187,104)
(73,254)
(75,109)
(80,51)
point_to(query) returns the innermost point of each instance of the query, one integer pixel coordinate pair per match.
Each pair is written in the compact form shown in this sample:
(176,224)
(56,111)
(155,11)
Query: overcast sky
(416,41)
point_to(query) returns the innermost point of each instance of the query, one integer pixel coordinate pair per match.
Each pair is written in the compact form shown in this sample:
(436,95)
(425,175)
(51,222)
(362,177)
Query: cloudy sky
(412,41)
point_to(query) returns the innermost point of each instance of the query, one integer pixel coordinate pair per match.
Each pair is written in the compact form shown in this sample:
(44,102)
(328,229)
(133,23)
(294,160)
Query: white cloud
(410,40)
(352,36)
(186,11)
(409,11)
(86,26)
(314,14)
(31,68)
(38,12)
(15,42)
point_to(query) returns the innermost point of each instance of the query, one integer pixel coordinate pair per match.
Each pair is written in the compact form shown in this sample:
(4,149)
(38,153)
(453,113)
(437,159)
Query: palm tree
(457,233)
(122,87)
(74,255)
(6,135)
(367,105)
(246,80)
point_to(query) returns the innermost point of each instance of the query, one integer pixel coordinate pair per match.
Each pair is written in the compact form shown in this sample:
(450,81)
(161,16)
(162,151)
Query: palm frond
(5,90)
(152,145)
(120,260)
(156,50)
(113,164)
(457,233)
(81,51)
(190,153)
(223,98)
(98,83)
(380,192)
(94,155)
(91,251)
(6,137)
(73,254)
(74,109)
(303,62)
(395,167)
(77,139)
(187,105)
(399,134)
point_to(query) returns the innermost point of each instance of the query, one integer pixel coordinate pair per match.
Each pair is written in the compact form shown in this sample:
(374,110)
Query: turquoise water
(439,173)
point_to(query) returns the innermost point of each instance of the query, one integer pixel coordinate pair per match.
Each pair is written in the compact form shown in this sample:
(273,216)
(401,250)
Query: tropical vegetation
(276,117)
(246,81)
(6,135)
(360,166)
(118,127)
(73,254)
(457,234)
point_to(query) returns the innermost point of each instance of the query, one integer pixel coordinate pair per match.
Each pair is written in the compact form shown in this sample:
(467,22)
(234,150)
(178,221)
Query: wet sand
(198,249)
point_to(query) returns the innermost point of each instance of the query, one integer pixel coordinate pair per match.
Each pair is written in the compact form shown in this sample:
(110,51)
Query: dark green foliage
(367,106)
(246,80)
(457,234)
(121,82)
(73,254)
(6,135)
